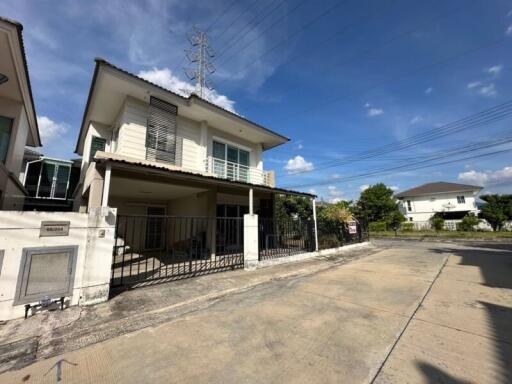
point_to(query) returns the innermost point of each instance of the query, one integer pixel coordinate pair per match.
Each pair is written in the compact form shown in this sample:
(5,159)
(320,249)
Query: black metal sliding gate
(155,248)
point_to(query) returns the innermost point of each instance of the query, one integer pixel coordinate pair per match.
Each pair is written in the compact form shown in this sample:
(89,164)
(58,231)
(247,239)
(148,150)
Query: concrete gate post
(98,256)
(250,242)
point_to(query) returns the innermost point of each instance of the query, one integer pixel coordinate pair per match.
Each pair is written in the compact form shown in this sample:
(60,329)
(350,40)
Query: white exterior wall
(193,149)
(424,207)
(12,195)
(19,230)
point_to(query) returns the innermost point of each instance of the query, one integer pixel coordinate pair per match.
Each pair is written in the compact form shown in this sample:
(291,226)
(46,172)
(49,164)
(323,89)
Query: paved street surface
(414,312)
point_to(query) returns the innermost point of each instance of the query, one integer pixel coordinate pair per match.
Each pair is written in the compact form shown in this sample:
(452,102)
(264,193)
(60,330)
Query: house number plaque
(54,228)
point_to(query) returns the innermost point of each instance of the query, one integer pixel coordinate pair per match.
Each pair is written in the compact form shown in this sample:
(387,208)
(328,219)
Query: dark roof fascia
(19,27)
(188,99)
(207,178)
(88,104)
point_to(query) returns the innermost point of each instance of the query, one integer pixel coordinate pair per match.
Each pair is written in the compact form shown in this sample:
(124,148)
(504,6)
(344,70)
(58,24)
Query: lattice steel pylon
(200,55)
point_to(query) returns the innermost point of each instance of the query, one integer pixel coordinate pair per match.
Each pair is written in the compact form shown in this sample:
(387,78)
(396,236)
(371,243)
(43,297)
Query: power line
(220,14)
(364,53)
(236,19)
(298,32)
(424,163)
(249,27)
(488,116)
(297,6)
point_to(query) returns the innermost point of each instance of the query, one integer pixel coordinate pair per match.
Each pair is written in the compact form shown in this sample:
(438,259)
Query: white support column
(251,253)
(251,202)
(313,201)
(106,186)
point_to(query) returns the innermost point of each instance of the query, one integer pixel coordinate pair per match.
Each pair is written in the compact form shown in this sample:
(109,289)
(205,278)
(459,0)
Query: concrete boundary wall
(92,233)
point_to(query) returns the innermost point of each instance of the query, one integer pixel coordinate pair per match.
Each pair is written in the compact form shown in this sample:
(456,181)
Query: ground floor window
(231,210)
(461,200)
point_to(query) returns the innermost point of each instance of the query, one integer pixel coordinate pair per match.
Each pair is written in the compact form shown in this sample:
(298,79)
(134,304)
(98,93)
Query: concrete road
(416,312)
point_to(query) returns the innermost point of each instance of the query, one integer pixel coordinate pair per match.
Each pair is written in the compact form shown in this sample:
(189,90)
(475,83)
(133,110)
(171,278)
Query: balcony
(237,172)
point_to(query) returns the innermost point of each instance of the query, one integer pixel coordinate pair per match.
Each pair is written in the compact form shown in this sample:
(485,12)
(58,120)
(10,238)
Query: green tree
(497,210)
(340,212)
(468,223)
(289,206)
(376,203)
(394,220)
(437,222)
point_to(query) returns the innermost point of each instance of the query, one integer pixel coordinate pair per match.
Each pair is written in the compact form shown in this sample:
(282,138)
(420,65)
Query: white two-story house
(159,157)
(452,200)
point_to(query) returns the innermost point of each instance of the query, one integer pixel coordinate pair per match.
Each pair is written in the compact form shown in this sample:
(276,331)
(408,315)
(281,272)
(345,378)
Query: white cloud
(335,194)
(336,176)
(495,70)
(486,178)
(429,90)
(488,90)
(474,84)
(312,191)
(367,105)
(375,112)
(508,31)
(49,129)
(416,119)
(165,78)
(298,164)
(364,187)
(394,188)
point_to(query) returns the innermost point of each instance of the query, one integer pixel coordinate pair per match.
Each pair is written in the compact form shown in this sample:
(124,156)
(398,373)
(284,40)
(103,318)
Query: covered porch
(173,224)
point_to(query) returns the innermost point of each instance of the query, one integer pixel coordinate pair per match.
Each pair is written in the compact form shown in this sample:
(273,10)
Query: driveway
(414,312)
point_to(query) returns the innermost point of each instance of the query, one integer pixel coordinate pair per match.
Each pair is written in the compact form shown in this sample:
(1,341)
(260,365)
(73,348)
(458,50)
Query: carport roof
(103,157)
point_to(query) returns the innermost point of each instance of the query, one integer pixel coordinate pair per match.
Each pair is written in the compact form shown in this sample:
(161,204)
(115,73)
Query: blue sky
(338,77)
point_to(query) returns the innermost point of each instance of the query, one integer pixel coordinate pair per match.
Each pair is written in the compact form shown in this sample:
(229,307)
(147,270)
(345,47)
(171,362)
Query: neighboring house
(18,123)
(453,201)
(49,182)
(148,151)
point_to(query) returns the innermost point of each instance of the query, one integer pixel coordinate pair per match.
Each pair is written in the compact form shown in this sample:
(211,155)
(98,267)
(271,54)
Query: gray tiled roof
(437,187)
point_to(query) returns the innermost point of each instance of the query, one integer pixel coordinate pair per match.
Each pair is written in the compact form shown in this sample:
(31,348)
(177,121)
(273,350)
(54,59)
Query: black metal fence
(334,234)
(285,237)
(154,248)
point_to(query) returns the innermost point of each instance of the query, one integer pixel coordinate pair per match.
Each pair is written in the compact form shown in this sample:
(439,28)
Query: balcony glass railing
(237,172)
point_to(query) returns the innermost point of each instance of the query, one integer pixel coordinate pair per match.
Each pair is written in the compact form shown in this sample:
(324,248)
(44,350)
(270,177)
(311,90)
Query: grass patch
(444,234)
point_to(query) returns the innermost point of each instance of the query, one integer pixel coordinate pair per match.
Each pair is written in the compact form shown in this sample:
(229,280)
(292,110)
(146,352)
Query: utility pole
(199,56)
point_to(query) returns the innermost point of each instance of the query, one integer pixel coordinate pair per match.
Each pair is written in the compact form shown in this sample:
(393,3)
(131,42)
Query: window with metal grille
(461,200)
(161,131)
(97,144)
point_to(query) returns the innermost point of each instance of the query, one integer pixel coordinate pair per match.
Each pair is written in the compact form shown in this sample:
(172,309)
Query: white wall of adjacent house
(12,196)
(422,208)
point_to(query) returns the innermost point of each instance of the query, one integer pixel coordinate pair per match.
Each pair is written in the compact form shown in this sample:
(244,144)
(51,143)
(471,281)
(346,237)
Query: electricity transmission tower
(199,56)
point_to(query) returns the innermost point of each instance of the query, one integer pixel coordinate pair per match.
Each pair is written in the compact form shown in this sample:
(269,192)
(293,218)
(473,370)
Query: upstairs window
(461,200)
(230,162)
(409,206)
(5,137)
(97,144)
(161,131)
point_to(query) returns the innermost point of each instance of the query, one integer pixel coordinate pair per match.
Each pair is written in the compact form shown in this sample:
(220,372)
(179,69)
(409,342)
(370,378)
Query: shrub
(468,223)
(437,222)
(407,227)
(377,226)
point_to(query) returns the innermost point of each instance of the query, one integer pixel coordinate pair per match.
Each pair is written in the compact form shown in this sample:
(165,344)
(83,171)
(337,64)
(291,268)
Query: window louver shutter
(97,144)
(161,131)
